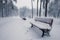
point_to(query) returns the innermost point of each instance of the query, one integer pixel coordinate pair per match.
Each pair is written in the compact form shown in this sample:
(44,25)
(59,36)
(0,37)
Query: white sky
(27,3)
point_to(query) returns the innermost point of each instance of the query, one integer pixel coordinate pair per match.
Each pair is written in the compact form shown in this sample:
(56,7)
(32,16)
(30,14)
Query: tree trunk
(32,7)
(46,8)
(37,7)
(2,11)
(40,9)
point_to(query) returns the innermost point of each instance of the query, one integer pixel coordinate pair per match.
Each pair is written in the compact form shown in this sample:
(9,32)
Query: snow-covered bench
(44,24)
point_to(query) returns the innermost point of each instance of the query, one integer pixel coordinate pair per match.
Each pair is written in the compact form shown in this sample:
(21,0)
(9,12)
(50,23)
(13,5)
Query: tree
(45,4)
(37,7)
(32,7)
(54,8)
(23,11)
(40,8)
(46,9)
(47,1)
(2,5)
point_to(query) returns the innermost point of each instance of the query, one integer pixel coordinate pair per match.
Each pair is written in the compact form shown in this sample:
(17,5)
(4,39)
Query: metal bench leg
(48,33)
(31,25)
(42,33)
(45,32)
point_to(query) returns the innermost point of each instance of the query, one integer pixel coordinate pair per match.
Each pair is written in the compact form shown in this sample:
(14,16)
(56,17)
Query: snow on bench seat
(40,24)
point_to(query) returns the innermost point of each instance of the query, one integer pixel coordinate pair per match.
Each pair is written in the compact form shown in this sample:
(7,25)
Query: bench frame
(44,31)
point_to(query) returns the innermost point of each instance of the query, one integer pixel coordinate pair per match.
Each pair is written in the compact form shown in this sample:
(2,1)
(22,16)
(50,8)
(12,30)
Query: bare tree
(3,3)
(40,8)
(37,7)
(45,4)
(46,9)
(32,7)
(47,1)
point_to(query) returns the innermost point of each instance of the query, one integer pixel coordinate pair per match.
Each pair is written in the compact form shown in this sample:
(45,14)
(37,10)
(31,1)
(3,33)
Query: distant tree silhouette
(54,8)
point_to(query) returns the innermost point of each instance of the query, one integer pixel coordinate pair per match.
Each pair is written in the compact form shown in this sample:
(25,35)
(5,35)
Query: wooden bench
(44,24)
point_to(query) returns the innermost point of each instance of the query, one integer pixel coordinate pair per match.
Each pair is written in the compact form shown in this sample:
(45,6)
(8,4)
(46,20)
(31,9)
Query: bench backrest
(45,20)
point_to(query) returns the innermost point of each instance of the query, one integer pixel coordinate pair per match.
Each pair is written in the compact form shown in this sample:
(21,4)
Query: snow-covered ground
(14,28)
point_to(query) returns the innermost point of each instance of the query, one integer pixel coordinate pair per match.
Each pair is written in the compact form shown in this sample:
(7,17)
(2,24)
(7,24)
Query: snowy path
(16,29)
(12,29)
